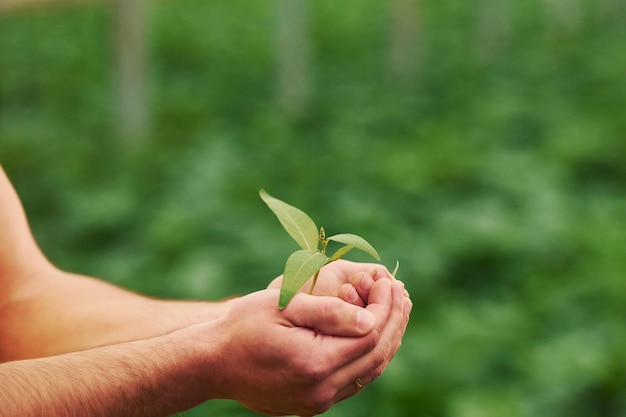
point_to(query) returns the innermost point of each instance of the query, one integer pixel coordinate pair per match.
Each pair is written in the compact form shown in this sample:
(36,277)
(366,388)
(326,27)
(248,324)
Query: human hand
(350,281)
(292,362)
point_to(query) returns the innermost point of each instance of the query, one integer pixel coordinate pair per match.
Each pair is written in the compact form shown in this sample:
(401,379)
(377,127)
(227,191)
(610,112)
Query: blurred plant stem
(131,69)
(293,51)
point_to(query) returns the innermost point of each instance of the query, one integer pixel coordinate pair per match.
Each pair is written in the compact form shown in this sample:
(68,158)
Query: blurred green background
(487,154)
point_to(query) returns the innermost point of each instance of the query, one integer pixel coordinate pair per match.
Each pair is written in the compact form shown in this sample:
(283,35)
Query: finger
(339,352)
(350,268)
(332,318)
(363,283)
(391,338)
(396,337)
(369,367)
(380,301)
(358,289)
(349,294)
(329,315)
(379,271)
(395,344)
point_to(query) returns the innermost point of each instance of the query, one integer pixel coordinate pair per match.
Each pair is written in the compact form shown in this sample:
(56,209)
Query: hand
(302,360)
(350,281)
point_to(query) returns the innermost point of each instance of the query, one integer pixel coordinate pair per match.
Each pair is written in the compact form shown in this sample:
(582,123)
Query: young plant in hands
(307,262)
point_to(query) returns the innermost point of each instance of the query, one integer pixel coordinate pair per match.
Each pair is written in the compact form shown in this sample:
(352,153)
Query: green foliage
(303,264)
(297,223)
(497,178)
(300,266)
(354,241)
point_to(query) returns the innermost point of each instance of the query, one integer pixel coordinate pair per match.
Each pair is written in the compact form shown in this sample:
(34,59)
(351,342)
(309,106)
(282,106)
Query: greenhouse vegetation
(495,174)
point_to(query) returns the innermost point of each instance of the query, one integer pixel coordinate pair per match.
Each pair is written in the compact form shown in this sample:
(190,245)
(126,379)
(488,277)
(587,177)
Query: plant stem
(314,282)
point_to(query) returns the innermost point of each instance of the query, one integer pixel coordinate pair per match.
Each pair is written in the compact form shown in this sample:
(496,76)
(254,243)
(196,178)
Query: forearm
(61,313)
(44,311)
(154,377)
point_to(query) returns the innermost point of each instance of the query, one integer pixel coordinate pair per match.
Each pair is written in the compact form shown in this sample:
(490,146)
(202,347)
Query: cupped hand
(350,281)
(302,360)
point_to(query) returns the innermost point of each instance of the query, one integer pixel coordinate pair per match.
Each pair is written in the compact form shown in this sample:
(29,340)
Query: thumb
(329,315)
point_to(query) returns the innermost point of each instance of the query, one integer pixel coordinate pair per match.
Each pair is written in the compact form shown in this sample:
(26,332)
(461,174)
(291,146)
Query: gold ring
(358,384)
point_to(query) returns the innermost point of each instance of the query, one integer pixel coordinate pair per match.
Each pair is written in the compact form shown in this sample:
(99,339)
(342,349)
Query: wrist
(204,359)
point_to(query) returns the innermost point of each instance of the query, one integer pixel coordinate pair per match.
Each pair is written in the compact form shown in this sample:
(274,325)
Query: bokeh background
(480,143)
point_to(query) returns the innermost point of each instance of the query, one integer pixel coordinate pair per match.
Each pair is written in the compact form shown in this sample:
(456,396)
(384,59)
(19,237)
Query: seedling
(307,262)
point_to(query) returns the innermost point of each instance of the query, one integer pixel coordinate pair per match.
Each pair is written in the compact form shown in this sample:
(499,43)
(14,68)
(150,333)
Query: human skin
(46,311)
(349,281)
(273,362)
(76,345)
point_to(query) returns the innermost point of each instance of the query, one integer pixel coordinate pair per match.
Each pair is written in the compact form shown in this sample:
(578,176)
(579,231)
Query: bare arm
(153,357)
(144,378)
(272,362)
(64,313)
(45,311)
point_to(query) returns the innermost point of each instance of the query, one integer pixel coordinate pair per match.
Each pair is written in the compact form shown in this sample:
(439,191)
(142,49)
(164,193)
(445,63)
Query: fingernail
(365,320)
(374,273)
(366,282)
(353,296)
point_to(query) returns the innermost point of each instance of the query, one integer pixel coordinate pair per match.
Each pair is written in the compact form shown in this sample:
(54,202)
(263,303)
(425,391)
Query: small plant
(307,262)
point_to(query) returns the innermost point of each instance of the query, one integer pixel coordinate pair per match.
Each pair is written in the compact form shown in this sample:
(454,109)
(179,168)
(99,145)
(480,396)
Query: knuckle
(312,371)
(321,408)
(379,359)
(377,372)
(373,339)
(316,373)
(320,401)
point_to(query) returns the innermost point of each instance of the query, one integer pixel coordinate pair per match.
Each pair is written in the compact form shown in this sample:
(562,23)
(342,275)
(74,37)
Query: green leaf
(300,266)
(357,241)
(296,222)
(340,252)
